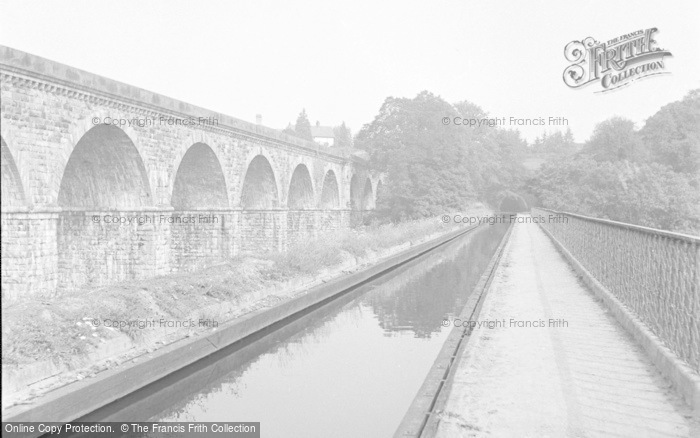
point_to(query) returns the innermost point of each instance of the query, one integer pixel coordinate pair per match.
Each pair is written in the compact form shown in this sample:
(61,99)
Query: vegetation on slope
(649,177)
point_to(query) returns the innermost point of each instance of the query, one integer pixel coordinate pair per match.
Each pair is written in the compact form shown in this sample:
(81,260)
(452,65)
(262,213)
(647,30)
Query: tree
(537,144)
(432,167)
(302,128)
(646,194)
(615,139)
(569,138)
(289,130)
(672,135)
(425,161)
(343,137)
(556,143)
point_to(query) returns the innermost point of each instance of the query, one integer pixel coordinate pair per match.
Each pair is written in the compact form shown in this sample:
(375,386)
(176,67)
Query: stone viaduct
(105,182)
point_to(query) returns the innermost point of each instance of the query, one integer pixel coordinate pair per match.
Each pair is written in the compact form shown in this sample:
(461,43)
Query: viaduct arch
(115,182)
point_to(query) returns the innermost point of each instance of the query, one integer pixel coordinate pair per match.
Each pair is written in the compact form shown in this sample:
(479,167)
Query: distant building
(323,135)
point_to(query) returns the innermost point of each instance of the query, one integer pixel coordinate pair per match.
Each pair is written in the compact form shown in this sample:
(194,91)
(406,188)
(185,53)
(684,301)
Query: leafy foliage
(432,167)
(672,135)
(343,136)
(302,128)
(289,130)
(647,194)
(648,177)
(615,139)
(556,143)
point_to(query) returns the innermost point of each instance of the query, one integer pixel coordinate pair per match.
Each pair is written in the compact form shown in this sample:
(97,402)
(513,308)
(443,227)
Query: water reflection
(419,300)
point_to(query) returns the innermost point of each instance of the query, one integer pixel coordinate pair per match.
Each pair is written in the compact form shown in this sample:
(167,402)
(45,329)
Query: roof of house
(322,131)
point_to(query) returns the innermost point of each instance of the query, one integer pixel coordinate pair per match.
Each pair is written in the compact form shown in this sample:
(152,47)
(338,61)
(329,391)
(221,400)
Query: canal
(350,368)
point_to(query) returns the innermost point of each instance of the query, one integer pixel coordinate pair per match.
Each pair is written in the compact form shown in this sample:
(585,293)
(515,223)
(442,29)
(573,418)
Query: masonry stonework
(87,160)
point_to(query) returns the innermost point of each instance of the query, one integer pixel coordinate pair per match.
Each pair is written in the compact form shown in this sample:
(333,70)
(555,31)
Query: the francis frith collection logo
(614,63)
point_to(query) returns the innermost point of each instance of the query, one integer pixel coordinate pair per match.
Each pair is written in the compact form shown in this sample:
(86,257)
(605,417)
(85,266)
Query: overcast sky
(340,60)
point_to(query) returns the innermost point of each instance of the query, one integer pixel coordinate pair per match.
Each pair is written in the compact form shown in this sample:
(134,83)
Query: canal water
(350,368)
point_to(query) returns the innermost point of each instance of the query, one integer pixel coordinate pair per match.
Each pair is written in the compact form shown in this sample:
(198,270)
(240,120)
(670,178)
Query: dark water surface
(350,368)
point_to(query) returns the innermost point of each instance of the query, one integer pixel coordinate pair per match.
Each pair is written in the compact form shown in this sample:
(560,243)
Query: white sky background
(340,60)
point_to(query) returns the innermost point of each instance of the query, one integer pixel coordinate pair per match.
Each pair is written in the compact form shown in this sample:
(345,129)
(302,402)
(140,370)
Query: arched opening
(301,192)
(12,191)
(104,171)
(367,196)
(27,260)
(260,230)
(513,203)
(355,193)
(259,186)
(199,182)
(379,194)
(330,195)
(301,197)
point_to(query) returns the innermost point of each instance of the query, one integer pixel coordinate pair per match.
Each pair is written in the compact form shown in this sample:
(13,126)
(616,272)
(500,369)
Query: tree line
(648,176)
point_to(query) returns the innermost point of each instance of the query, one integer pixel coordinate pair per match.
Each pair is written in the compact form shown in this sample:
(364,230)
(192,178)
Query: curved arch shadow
(367,201)
(301,191)
(12,194)
(104,171)
(199,181)
(259,186)
(330,194)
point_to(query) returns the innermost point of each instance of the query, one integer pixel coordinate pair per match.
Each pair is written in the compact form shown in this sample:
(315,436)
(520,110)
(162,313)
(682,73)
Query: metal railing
(655,273)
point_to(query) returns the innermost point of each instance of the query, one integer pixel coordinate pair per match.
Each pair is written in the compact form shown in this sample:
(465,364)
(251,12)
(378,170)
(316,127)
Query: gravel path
(581,375)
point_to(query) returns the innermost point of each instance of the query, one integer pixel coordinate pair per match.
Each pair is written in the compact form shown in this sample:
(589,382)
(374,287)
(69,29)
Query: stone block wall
(99,248)
(29,255)
(201,238)
(302,224)
(263,230)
